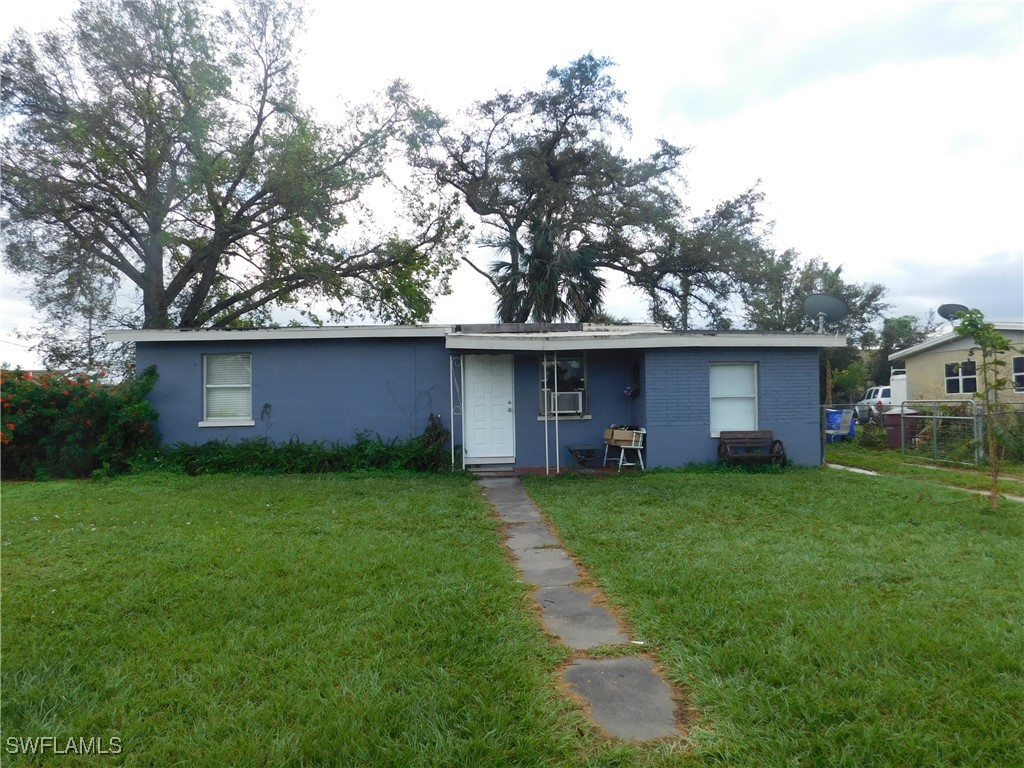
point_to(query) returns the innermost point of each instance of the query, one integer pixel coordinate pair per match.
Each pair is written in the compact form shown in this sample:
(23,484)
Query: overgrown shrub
(872,436)
(260,456)
(1010,434)
(54,426)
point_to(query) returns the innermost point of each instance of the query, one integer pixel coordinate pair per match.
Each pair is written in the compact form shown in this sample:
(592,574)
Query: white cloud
(907,166)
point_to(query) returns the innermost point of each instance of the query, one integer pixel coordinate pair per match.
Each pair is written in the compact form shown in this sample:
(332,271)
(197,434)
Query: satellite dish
(948,311)
(825,308)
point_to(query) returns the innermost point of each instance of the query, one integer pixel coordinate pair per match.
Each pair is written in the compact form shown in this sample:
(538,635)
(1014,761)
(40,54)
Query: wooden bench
(753,447)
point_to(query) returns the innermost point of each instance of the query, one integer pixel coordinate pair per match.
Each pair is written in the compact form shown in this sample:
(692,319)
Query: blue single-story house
(513,395)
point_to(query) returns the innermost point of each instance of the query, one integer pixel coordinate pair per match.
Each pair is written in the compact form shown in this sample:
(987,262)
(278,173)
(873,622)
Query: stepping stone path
(624,696)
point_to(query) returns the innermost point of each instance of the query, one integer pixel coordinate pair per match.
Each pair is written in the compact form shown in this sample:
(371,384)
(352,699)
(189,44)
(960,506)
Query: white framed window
(1018,374)
(961,378)
(563,386)
(733,388)
(227,390)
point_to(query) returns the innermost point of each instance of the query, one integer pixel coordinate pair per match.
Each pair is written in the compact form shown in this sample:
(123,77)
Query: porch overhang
(589,340)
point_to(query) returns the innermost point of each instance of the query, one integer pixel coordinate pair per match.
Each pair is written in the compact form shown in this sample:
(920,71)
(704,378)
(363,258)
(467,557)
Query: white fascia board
(946,338)
(280,334)
(499,342)
(626,328)
(924,346)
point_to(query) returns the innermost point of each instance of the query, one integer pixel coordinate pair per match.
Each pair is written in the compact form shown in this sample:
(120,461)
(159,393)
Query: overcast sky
(888,137)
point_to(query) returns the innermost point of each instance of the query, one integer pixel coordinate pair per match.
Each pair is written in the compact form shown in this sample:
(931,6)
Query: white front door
(489,421)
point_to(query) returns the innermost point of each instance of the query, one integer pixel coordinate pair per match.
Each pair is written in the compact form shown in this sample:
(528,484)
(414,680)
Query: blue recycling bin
(833,420)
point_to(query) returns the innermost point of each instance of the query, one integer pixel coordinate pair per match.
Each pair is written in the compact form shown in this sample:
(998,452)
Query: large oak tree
(547,174)
(773,287)
(155,147)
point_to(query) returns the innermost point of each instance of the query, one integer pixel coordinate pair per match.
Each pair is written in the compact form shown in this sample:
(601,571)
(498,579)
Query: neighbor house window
(563,386)
(961,378)
(227,390)
(1018,374)
(733,396)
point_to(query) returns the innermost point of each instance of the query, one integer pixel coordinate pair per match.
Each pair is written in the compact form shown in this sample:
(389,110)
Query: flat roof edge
(590,337)
(279,334)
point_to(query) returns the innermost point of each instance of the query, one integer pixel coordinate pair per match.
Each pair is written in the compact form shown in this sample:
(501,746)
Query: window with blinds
(227,390)
(733,397)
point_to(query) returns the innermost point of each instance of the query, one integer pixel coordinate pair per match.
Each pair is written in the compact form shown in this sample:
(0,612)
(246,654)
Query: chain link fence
(949,431)
(931,430)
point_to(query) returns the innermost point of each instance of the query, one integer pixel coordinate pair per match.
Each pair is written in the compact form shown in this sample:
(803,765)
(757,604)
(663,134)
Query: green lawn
(814,618)
(817,617)
(304,620)
(851,453)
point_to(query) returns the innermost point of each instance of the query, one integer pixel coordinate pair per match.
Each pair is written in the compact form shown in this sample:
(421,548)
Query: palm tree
(549,281)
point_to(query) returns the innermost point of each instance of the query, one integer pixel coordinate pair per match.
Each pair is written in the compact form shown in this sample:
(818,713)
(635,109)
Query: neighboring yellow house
(943,369)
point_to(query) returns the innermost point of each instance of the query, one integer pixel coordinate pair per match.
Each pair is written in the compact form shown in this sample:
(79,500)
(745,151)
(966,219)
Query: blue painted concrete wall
(678,402)
(608,374)
(329,389)
(307,389)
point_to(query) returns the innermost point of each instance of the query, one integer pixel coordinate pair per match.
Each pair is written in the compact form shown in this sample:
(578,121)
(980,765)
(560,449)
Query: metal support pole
(462,404)
(979,432)
(545,404)
(451,403)
(558,453)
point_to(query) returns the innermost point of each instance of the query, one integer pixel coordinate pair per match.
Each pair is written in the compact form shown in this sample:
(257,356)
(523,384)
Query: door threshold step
(491,471)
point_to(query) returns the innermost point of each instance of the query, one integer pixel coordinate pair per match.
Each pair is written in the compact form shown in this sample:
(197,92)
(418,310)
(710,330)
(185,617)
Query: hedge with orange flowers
(56,426)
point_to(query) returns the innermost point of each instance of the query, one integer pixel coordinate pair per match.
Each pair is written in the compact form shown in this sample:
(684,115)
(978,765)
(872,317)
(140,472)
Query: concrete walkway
(871,472)
(624,696)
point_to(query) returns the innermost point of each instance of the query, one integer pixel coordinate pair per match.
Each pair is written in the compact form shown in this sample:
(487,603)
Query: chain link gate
(939,430)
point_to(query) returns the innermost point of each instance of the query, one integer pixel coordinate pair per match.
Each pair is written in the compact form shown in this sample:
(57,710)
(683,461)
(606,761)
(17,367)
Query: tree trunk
(154,296)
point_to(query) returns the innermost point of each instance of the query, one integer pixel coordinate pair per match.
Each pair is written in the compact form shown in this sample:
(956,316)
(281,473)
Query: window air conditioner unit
(565,402)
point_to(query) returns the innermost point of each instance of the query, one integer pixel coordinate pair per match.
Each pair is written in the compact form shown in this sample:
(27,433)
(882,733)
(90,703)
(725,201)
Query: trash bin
(833,418)
(897,427)
(834,421)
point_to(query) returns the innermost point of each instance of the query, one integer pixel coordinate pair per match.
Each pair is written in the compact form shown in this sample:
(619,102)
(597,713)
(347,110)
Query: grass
(816,617)
(852,454)
(317,620)
(813,617)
